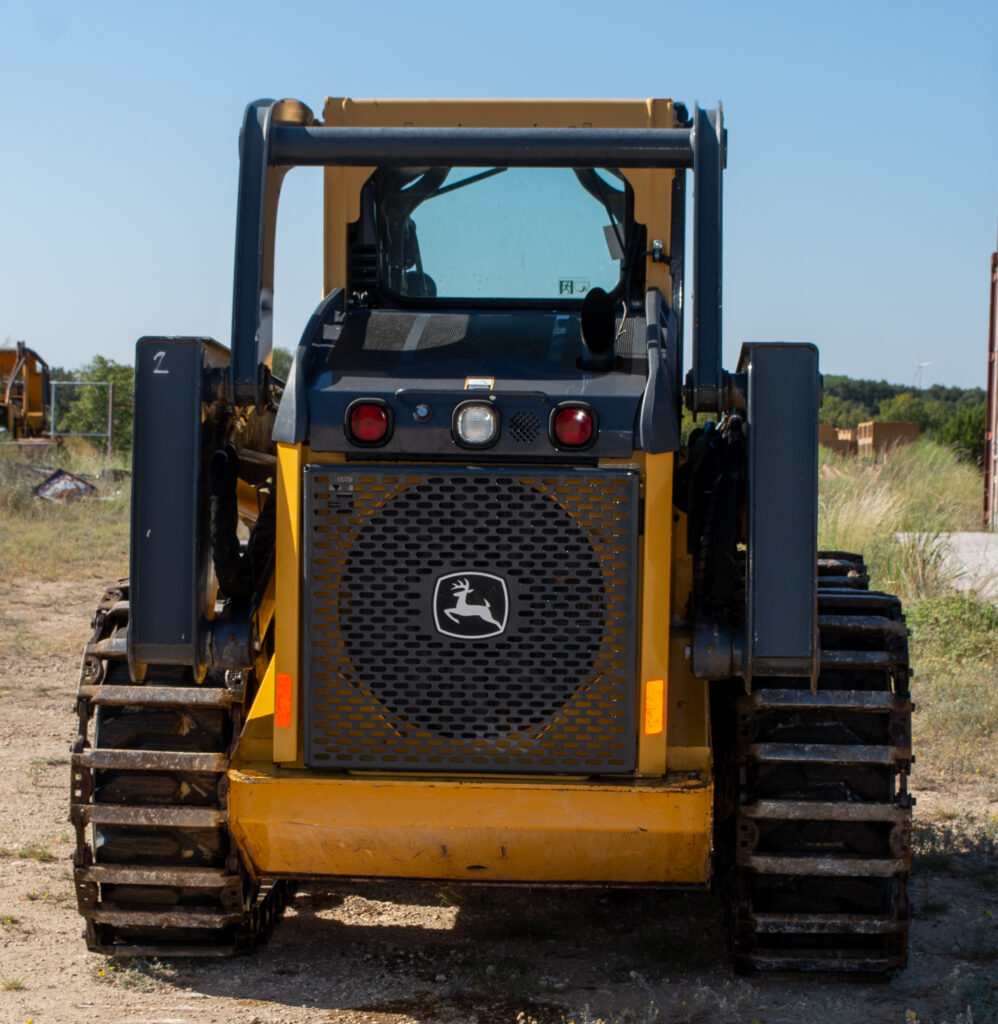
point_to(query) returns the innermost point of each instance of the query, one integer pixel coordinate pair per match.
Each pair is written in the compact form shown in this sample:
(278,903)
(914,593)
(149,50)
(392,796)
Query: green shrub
(83,410)
(964,433)
(954,648)
(956,626)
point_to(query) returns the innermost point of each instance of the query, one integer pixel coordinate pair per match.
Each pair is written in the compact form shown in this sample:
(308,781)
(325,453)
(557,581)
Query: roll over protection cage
(777,386)
(277,136)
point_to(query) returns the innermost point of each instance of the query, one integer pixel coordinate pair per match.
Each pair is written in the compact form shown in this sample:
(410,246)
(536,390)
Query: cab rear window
(501,233)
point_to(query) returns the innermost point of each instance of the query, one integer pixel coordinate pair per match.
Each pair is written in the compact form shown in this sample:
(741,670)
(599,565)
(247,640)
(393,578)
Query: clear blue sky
(861,197)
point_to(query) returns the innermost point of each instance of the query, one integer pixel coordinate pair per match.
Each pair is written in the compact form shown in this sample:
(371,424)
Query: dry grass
(142,975)
(921,489)
(954,647)
(48,540)
(34,851)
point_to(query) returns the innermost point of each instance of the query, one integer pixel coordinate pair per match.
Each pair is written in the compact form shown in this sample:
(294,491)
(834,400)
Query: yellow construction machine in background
(24,394)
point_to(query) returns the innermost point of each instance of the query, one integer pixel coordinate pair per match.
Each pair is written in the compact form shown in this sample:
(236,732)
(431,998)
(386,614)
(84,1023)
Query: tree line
(952,416)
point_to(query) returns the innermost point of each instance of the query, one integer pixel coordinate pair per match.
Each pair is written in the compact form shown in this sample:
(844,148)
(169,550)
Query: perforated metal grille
(385,333)
(524,427)
(397,559)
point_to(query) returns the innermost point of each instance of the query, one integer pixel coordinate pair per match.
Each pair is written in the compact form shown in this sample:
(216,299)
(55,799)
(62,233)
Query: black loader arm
(174,436)
(777,390)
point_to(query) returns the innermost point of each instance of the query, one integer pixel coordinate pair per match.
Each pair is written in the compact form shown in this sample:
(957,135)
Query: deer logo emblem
(470,605)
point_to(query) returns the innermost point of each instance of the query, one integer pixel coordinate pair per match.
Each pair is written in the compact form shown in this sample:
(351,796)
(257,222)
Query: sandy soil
(384,954)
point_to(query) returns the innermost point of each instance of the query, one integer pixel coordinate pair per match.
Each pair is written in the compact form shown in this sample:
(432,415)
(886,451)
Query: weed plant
(977,996)
(34,851)
(141,975)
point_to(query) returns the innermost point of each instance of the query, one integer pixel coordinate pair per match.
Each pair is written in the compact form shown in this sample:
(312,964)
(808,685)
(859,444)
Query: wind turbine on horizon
(917,377)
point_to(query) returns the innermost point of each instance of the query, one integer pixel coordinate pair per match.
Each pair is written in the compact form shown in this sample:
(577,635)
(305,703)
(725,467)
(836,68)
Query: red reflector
(368,422)
(573,427)
(282,701)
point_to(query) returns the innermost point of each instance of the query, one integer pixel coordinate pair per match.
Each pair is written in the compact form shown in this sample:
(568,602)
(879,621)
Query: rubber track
(823,825)
(156,870)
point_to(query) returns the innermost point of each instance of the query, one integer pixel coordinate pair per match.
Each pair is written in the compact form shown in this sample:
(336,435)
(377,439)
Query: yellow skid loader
(496,621)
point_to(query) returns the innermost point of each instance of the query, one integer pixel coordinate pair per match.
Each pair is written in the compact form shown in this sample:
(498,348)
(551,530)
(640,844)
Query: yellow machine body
(465,639)
(23,392)
(650,827)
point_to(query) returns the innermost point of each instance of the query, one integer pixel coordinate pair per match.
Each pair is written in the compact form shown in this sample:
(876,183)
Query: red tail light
(573,426)
(368,422)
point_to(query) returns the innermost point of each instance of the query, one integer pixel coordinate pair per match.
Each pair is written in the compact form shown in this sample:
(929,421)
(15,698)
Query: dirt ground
(425,953)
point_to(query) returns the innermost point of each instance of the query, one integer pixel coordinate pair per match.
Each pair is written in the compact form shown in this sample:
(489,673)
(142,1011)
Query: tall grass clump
(954,646)
(922,490)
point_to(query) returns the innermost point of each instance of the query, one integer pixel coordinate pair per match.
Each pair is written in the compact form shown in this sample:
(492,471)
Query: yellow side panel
(292,824)
(287,627)
(655,610)
(257,739)
(498,113)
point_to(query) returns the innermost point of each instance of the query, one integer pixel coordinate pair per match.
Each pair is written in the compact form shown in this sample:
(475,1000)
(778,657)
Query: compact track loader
(495,621)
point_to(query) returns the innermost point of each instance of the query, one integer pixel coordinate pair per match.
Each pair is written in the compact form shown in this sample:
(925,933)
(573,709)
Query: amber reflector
(654,706)
(282,701)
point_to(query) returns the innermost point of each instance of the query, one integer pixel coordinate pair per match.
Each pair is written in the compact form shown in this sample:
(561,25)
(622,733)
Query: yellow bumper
(289,822)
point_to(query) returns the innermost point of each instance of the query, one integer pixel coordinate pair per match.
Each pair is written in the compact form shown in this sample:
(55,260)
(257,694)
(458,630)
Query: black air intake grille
(470,620)
(524,427)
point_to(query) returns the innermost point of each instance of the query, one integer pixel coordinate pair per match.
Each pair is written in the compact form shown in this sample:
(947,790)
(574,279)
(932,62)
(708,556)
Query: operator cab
(523,286)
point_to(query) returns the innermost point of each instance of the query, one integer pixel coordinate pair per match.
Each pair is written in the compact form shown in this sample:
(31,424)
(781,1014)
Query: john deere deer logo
(470,605)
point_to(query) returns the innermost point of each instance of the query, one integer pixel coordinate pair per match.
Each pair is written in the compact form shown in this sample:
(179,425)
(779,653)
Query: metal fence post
(110,419)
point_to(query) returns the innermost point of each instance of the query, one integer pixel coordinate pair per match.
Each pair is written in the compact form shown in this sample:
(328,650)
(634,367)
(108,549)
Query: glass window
(515,233)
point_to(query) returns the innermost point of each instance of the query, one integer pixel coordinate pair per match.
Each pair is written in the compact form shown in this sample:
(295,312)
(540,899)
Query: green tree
(866,395)
(85,409)
(282,362)
(911,407)
(840,412)
(964,432)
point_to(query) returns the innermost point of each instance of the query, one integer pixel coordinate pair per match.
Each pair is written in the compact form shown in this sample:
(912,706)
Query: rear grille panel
(470,620)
